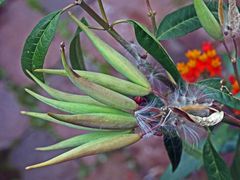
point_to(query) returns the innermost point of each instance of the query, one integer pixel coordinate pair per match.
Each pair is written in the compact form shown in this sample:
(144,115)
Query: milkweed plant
(192,106)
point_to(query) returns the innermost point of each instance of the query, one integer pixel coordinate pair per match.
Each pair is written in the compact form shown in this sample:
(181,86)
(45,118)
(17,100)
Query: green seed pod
(98,120)
(63,96)
(110,82)
(75,108)
(46,117)
(81,139)
(102,145)
(208,21)
(100,93)
(119,62)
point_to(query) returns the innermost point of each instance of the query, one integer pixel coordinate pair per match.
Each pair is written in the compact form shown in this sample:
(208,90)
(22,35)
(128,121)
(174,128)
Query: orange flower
(199,62)
(235,86)
(235,89)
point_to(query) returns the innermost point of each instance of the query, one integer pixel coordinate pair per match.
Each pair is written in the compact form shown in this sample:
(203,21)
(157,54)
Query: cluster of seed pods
(107,110)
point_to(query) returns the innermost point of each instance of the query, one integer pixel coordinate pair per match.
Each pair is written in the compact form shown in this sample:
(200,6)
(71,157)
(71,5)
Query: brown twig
(233,59)
(152,15)
(108,28)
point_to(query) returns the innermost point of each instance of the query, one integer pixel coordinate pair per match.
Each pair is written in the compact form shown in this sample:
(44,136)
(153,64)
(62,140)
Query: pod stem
(101,7)
(233,59)
(108,28)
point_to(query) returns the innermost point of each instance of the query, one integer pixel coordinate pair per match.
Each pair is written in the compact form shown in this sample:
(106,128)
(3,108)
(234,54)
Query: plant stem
(68,7)
(100,4)
(108,28)
(233,59)
(231,120)
(152,15)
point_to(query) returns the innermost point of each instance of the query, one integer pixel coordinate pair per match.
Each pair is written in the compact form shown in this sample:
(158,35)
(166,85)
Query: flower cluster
(200,62)
(235,89)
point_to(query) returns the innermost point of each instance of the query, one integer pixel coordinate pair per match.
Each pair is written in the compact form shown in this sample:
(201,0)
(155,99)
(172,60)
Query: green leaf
(207,20)
(214,164)
(173,145)
(182,22)
(154,48)
(187,165)
(192,161)
(222,97)
(214,83)
(38,42)
(236,162)
(75,51)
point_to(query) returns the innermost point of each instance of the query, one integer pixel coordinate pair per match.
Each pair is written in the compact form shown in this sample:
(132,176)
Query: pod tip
(69,12)
(23,112)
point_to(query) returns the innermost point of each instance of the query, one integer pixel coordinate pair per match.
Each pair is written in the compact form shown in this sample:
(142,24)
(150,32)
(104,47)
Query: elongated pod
(63,96)
(113,83)
(75,108)
(81,139)
(119,62)
(100,93)
(98,120)
(94,147)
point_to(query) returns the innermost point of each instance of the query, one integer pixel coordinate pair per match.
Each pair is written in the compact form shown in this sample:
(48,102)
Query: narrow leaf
(236,162)
(100,93)
(110,82)
(182,22)
(38,42)
(119,62)
(222,97)
(102,145)
(63,96)
(154,48)
(173,145)
(75,108)
(98,120)
(75,51)
(214,164)
(79,140)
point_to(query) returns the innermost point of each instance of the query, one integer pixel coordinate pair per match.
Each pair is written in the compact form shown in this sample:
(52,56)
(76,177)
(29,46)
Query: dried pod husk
(211,120)
(110,82)
(80,139)
(208,21)
(102,145)
(98,120)
(63,96)
(100,93)
(75,108)
(118,61)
